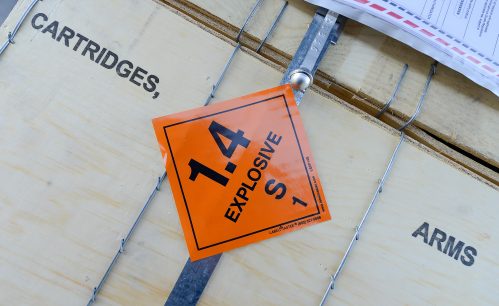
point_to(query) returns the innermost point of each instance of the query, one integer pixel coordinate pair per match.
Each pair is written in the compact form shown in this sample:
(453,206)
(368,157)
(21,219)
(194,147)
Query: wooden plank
(368,64)
(78,158)
(388,256)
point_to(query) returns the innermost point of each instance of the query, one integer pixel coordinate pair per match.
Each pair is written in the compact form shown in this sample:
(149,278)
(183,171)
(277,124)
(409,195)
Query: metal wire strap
(395,91)
(431,73)
(250,15)
(379,189)
(124,241)
(272,27)
(214,88)
(12,34)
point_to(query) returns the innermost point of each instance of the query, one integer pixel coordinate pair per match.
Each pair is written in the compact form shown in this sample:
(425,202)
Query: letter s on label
(278,187)
(260,163)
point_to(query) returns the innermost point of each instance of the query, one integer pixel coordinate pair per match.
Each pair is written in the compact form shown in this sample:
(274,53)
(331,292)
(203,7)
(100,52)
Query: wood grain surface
(78,158)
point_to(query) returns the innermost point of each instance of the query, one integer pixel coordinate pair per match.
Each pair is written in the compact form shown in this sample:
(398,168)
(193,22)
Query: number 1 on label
(197,168)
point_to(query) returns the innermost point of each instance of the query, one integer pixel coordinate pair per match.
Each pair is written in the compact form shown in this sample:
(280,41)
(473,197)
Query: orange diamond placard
(241,171)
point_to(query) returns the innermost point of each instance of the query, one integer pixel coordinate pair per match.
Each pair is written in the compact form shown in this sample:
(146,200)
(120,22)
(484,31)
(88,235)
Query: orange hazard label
(241,171)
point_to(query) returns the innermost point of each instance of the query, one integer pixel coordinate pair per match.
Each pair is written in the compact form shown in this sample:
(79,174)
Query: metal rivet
(300,79)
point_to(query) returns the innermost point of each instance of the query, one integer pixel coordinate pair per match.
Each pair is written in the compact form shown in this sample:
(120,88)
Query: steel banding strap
(195,275)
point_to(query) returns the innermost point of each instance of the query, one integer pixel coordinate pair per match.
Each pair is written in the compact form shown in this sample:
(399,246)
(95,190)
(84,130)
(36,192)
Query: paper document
(473,22)
(462,34)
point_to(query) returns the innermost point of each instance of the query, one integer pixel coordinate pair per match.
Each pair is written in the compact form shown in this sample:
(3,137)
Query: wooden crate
(78,158)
